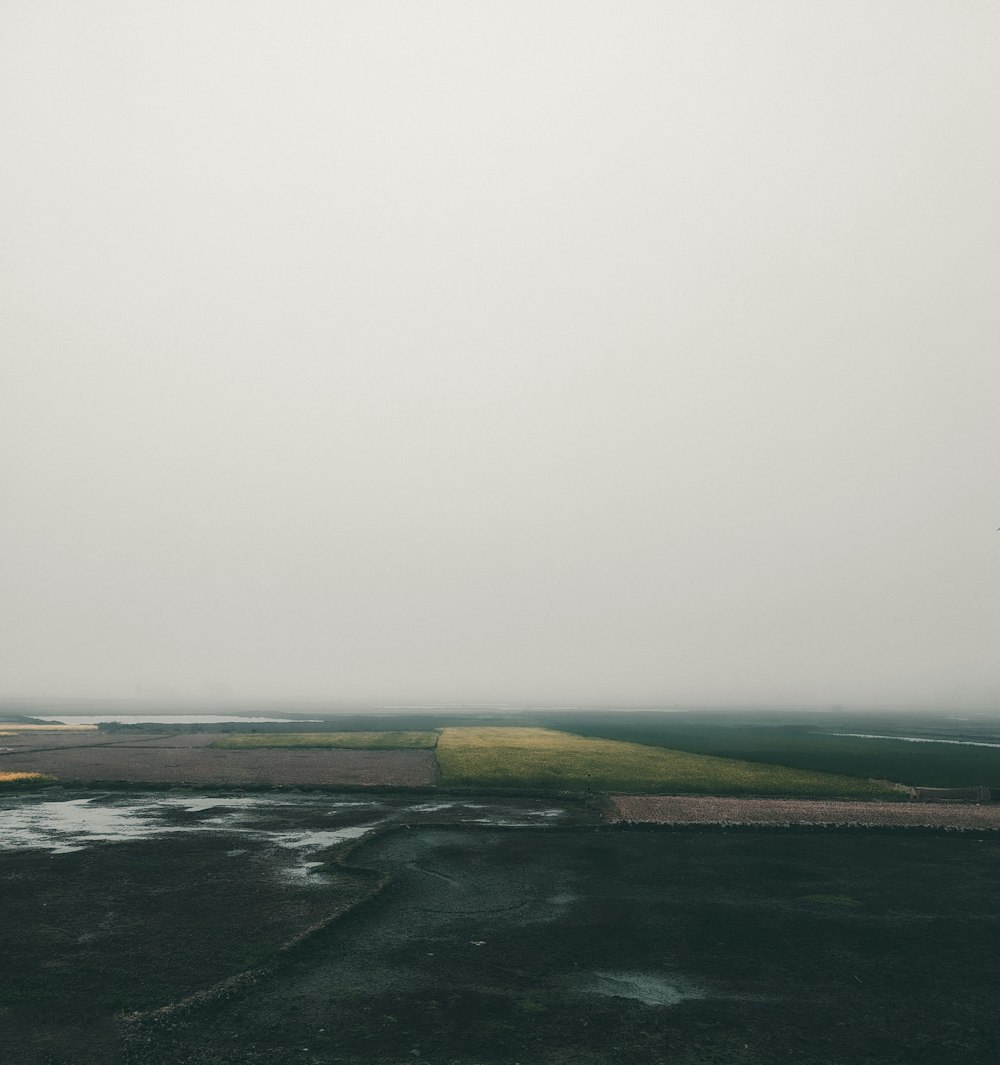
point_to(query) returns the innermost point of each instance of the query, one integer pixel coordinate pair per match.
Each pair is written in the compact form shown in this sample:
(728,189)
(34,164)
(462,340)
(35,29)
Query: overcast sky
(573,352)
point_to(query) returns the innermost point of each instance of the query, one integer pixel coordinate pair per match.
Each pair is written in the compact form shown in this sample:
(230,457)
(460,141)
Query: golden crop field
(366,741)
(544,758)
(16,779)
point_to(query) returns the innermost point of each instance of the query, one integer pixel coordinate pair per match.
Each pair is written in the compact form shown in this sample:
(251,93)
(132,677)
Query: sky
(562,351)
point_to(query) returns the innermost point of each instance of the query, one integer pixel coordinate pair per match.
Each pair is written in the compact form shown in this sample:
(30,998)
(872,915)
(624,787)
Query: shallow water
(651,989)
(62,825)
(914,739)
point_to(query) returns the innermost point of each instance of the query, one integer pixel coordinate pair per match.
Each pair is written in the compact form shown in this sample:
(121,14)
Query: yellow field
(25,778)
(543,758)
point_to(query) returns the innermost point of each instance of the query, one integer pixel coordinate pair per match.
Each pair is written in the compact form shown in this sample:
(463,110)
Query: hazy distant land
(580,886)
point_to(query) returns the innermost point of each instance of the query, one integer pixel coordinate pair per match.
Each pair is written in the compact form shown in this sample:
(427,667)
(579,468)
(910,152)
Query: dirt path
(705,810)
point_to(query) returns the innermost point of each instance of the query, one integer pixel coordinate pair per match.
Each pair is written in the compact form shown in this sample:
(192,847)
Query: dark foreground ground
(478,945)
(117,902)
(583,947)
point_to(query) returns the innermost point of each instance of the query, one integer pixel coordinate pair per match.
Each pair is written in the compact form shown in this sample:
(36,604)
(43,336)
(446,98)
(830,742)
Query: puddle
(195,804)
(497,822)
(320,839)
(62,826)
(310,842)
(306,872)
(72,824)
(914,739)
(66,825)
(651,989)
(433,807)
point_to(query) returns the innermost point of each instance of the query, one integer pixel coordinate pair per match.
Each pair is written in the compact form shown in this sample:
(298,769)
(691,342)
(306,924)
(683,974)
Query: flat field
(11,729)
(367,741)
(808,745)
(547,759)
(142,757)
(712,810)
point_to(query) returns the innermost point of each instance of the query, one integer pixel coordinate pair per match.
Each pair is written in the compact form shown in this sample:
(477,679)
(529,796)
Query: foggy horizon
(591,354)
(143,704)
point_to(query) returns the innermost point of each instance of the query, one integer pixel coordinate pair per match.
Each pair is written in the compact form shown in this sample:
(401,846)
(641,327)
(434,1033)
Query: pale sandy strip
(699,809)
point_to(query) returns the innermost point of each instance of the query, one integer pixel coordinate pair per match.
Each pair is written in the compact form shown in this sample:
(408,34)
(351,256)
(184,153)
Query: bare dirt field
(704,810)
(187,758)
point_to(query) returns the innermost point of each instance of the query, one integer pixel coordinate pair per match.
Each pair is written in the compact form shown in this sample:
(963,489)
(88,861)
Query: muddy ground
(118,901)
(187,758)
(586,947)
(479,945)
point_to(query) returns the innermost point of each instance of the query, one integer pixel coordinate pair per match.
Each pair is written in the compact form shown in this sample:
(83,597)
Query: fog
(561,352)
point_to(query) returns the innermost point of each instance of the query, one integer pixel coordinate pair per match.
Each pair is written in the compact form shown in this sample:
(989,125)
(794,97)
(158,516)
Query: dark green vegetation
(804,743)
(546,759)
(367,741)
(585,948)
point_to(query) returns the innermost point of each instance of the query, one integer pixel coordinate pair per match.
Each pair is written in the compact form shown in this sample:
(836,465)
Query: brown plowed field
(186,758)
(704,810)
(42,739)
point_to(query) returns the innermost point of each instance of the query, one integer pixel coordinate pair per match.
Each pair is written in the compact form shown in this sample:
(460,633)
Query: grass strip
(364,741)
(942,765)
(544,758)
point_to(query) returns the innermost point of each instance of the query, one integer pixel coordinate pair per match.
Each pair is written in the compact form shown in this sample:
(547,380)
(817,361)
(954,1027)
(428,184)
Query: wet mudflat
(579,946)
(119,902)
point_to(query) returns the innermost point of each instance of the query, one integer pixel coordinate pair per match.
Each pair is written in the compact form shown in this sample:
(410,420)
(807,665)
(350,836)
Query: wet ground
(115,902)
(513,934)
(581,946)
(61,821)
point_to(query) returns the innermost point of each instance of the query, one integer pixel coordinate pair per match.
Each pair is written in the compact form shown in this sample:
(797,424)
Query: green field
(365,741)
(944,765)
(544,758)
